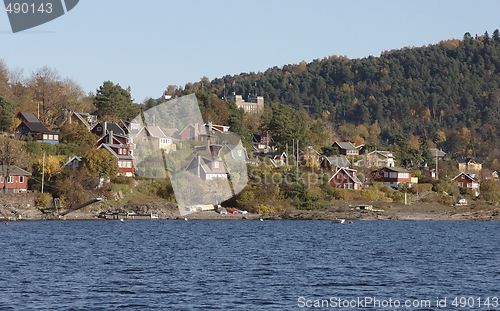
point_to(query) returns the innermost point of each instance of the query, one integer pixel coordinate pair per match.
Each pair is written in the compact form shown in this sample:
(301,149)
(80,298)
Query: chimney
(69,116)
(110,137)
(198,164)
(105,127)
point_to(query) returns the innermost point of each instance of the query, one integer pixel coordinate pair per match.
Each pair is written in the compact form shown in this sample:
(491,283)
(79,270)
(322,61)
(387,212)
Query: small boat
(338,220)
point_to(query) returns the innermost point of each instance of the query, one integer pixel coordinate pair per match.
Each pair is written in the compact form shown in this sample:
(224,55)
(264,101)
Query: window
(21,179)
(386,174)
(469,185)
(404,175)
(216,164)
(1,179)
(461,184)
(392,175)
(99,129)
(347,186)
(45,136)
(239,152)
(11,179)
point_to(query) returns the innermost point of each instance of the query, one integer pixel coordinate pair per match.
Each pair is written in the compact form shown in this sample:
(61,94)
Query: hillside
(447,92)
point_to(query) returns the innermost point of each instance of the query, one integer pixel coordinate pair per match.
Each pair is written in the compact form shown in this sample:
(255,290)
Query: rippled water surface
(244,265)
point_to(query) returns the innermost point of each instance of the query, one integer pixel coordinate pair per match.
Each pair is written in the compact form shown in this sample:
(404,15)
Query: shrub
(44,200)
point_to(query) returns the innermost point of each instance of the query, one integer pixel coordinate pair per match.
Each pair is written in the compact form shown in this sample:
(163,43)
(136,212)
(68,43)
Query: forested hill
(449,86)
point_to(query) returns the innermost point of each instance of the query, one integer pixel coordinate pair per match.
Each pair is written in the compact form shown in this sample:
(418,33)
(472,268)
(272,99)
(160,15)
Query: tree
(496,36)
(48,167)
(5,90)
(114,103)
(78,135)
(46,91)
(7,112)
(285,124)
(101,163)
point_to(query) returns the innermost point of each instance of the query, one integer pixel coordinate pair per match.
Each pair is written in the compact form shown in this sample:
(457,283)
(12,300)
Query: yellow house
(154,137)
(377,159)
(469,165)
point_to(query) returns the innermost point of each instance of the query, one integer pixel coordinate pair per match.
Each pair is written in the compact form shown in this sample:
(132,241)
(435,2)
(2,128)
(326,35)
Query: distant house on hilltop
(253,104)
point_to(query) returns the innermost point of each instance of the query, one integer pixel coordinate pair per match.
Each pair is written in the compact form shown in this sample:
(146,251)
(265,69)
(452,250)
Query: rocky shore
(10,211)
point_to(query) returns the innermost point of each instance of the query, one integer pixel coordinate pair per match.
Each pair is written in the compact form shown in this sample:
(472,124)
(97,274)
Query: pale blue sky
(150,44)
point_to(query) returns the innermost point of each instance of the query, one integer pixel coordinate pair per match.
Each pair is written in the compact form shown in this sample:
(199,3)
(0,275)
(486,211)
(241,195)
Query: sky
(150,44)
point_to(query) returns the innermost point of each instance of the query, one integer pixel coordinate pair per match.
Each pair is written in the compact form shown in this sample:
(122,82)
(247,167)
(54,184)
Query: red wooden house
(17,181)
(469,182)
(345,178)
(393,176)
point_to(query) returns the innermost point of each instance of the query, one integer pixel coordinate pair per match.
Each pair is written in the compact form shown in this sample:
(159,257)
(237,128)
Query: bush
(44,200)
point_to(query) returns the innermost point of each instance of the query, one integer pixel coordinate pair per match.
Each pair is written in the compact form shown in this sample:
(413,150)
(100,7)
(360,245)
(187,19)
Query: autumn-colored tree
(49,166)
(78,135)
(100,163)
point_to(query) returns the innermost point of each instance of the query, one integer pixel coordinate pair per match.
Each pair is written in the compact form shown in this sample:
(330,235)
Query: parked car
(221,210)
(241,212)
(231,210)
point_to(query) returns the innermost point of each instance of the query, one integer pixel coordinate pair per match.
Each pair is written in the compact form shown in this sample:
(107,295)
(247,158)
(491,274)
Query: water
(246,265)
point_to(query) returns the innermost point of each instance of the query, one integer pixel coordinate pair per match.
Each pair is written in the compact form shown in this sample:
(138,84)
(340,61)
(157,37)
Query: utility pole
(43,170)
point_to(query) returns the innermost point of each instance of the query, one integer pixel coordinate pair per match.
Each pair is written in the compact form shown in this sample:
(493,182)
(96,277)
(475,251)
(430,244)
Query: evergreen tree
(114,103)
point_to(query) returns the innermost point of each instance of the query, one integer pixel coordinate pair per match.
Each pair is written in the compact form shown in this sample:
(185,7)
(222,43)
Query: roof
(346,173)
(204,164)
(271,155)
(79,159)
(256,138)
(386,154)
(396,169)
(111,127)
(437,153)
(15,170)
(469,176)
(109,148)
(345,145)
(36,127)
(29,117)
(465,160)
(338,161)
(155,131)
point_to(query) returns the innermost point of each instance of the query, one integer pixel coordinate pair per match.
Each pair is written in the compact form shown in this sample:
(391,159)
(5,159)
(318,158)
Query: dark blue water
(246,265)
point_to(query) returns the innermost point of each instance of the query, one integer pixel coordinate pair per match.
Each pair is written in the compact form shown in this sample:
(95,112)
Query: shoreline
(349,210)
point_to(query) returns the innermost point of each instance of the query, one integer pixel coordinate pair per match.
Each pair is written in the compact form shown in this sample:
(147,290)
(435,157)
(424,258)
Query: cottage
(347,148)
(345,178)
(469,165)
(377,158)
(207,168)
(263,143)
(469,182)
(17,179)
(86,119)
(153,137)
(123,157)
(276,158)
(393,176)
(32,127)
(75,162)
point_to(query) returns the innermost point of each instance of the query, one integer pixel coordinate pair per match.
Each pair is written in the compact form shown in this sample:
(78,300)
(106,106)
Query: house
(17,181)
(75,162)
(117,139)
(129,127)
(345,178)
(310,154)
(237,152)
(191,132)
(100,129)
(437,153)
(123,157)
(393,176)
(333,163)
(347,148)
(495,174)
(32,127)
(469,165)
(377,158)
(207,168)
(469,182)
(276,158)
(153,137)
(263,143)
